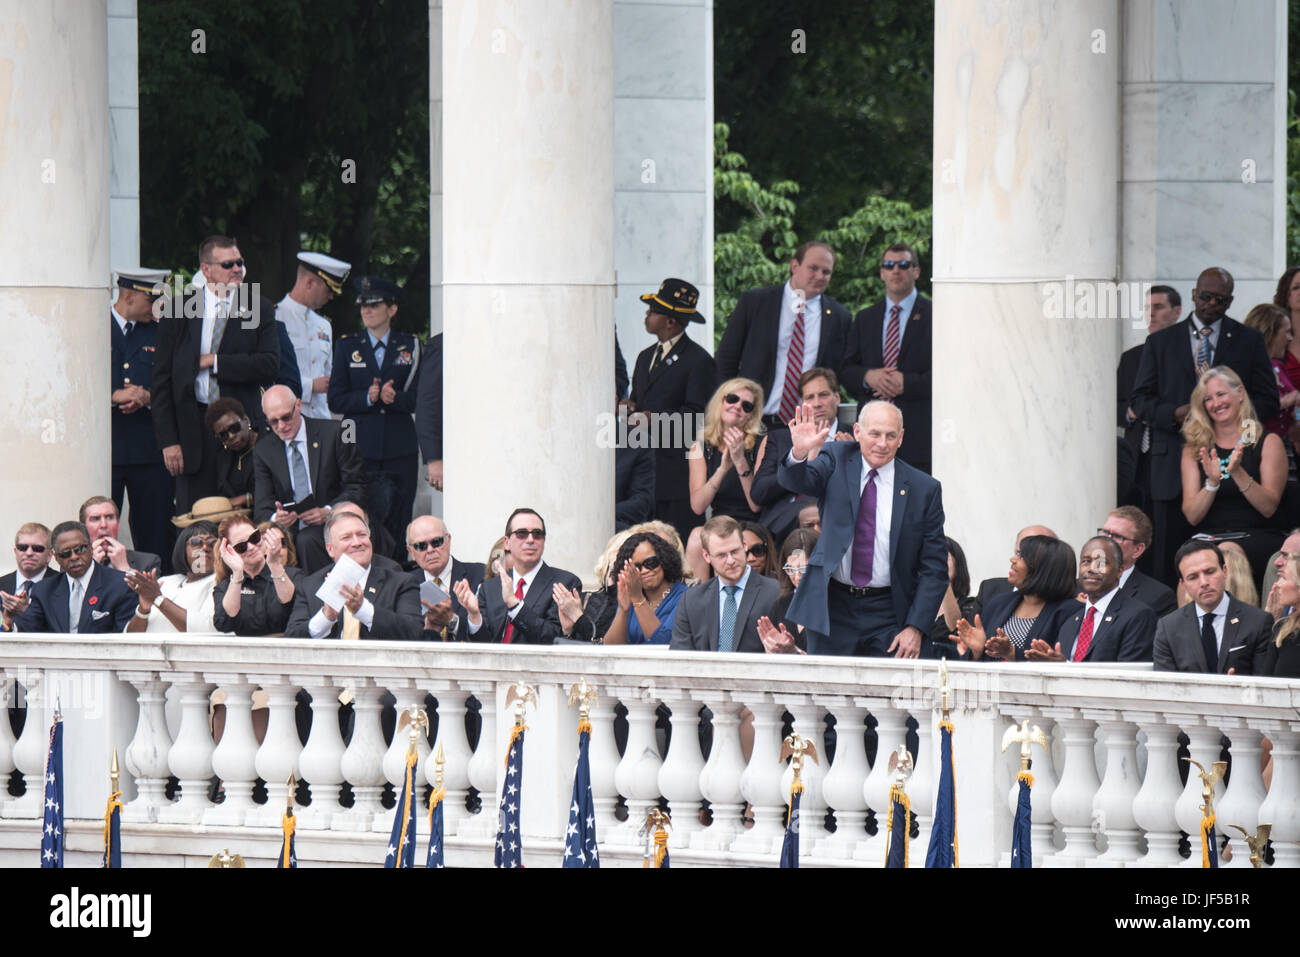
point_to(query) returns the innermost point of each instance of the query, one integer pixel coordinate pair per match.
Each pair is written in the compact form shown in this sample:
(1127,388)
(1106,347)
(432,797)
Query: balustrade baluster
(190,756)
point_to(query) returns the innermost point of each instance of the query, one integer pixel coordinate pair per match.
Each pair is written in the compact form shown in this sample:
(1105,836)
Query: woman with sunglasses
(648,573)
(760,549)
(796,548)
(227,420)
(180,602)
(723,461)
(254,591)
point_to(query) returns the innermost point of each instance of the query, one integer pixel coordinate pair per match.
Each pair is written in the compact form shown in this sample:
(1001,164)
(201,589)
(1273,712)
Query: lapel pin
(315,445)
(1234,621)
(902,491)
(1107,618)
(372,589)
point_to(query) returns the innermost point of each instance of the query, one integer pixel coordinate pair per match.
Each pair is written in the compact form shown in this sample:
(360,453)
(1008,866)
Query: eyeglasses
(793,569)
(1116,537)
(758,550)
(732,399)
(1214,297)
(65,553)
(429,543)
(232,432)
(520,534)
(25,547)
(650,564)
(201,541)
(228,263)
(279,419)
(896,263)
(252,540)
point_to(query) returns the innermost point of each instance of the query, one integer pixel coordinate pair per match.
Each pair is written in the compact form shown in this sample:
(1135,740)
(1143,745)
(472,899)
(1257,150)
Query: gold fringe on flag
(896,795)
(515,731)
(434,800)
(946,725)
(1207,825)
(584,725)
(114,803)
(287,824)
(661,846)
(411,758)
(1026,777)
(795,788)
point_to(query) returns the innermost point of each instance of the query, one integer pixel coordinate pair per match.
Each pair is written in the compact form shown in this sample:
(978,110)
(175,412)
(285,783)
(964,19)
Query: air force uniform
(311,333)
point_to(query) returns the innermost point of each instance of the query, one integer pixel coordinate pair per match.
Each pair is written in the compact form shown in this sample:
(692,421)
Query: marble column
(1026,157)
(528,267)
(54,265)
(124,133)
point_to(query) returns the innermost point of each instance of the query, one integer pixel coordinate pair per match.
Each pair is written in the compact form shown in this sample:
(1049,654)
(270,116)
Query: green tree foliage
(249,137)
(757,252)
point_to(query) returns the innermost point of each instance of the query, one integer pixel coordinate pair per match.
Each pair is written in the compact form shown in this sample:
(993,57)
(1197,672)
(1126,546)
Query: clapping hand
(14,604)
(273,546)
(1210,465)
(144,584)
(436,616)
(569,604)
(623,591)
(234,563)
(806,436)
(999,646)
(1039,650)
(970,638)
(507,593)
(734,440)
(1275,606)
(468,600)
(373,392)
(387,394)
(776,640)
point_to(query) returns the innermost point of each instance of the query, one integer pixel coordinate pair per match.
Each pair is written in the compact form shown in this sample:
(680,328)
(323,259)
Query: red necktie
(793,369)
(1085,635)
(891,338)
(510,625)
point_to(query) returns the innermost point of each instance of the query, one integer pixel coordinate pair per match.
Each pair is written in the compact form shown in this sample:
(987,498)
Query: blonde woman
(723,461)
(1233,471)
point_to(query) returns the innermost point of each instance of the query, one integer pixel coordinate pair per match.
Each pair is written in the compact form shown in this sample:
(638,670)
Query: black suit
(750,343)
(538,620)
(634,486)
(989,589)
(1046,626)
(1124,633)
(106,606)
(1132,467)
(1151,593)
(9,582)
(698,615)
(1247,644)
(469,572)
(395,597)
(336,475)
(248,361)
(1165,380)
(915,348)
(428,401)
(681,384)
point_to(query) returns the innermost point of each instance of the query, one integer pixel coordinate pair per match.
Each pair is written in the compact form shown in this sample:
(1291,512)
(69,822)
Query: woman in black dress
(722,462)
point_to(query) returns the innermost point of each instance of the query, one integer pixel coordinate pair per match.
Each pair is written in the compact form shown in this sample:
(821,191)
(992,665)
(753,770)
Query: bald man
(990,588)
(429,544)
(299,471)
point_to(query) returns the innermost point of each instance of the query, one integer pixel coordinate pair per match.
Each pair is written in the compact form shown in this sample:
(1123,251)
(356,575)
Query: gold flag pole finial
(114,774)
(1025,736)
(1208,780)
(518,695)
(945,689)
(900,766)
(418,721)
(439,760)
(584,696)
(292,783)
(224,858)
(1256,843)
(796,747)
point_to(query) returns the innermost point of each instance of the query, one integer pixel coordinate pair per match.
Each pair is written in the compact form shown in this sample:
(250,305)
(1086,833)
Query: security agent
(319,279)
(374,383)
(138,469)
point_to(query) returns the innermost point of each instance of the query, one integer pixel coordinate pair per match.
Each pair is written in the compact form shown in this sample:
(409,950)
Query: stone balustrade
(698,728)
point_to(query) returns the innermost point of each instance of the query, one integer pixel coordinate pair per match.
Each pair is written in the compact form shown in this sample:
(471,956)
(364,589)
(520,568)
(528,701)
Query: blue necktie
(1203,353)
(726,632)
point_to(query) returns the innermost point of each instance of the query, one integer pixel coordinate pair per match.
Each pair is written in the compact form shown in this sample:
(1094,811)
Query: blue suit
(918,570)
(106,608)
(138,469)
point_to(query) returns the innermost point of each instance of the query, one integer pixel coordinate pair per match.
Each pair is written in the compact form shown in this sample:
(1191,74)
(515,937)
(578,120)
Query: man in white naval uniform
(320,278)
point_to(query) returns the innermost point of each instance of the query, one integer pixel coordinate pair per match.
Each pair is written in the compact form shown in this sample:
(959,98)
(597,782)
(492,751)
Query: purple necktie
(864,535)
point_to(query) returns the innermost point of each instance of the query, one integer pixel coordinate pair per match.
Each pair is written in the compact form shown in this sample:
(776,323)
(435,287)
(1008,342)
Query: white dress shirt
(812,338)
(320,626)
(203,382)
(1220,618)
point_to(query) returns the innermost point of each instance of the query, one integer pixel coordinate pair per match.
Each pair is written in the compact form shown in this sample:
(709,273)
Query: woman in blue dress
(648,573)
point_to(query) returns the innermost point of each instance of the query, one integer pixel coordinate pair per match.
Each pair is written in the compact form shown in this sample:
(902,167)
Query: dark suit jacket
(332,465)
(132,359)
(107,607)
(1046,626)
(1124,633)
(469,572)
(696,626)
(918,552)
(538,621)
(749,343)
(634,486)
(143,561)
(1165,380)
(248,363)
(620,371)
(866,351)
(428,401)
(1247,644)
(398,615)
(1159,598)
(9,582)
(989,589)
(1125,378)
(383,431)
(682,383)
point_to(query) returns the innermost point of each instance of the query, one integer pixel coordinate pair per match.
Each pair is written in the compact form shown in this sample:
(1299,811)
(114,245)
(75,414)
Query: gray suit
(1246,645)
(696,625)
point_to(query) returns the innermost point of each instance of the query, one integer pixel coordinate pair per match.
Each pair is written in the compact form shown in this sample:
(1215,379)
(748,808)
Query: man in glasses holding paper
(429,544)
(86,598)
(1172,360)
(519,606)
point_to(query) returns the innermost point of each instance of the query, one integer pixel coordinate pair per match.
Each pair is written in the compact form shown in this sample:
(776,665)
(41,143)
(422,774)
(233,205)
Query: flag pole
(900,766)
(1209,846)
(794,747)
(1021,835)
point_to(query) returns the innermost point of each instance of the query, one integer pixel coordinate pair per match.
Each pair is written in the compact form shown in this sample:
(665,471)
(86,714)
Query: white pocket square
(1238,648)
(96,615)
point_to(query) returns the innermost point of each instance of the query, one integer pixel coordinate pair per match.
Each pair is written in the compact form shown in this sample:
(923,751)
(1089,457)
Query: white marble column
(1026,155)
(54,262)
(528,265)
(124,132)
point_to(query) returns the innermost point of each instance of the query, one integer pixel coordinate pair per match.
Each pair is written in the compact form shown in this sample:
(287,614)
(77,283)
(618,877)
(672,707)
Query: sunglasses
(229,263)
(1213,297)
(232,432)
(201,542)
(896,263)
(732,399)
(650,564)
(792,569)
(67,553)
(252,541)
(430,543)
(279,419)
(38,549)
(523,533)
(758,550)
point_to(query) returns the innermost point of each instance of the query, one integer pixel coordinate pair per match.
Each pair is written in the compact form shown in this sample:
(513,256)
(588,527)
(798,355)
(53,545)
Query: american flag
(52,836)
(943,839)
(580,838)
(897,828)
(1022,848)
(790,845)
(435,858)
(401,844)
(509,848)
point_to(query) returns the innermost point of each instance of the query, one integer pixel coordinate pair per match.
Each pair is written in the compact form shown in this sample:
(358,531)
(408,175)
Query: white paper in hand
(345,572)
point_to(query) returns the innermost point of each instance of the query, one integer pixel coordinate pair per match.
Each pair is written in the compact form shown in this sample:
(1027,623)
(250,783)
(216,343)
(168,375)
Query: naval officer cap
(151,281)
(371,289)
(332,271)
